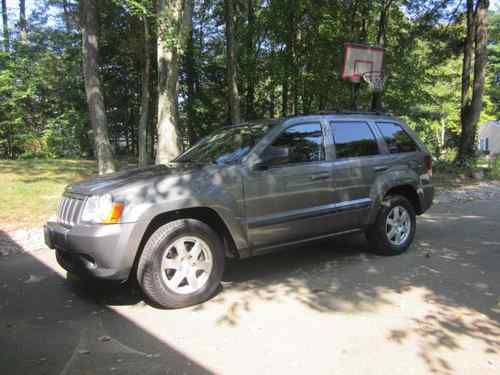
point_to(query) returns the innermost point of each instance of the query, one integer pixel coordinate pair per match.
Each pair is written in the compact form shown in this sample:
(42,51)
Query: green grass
(31,189)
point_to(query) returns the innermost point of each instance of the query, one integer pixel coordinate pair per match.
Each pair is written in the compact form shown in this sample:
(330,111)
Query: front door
(291,196)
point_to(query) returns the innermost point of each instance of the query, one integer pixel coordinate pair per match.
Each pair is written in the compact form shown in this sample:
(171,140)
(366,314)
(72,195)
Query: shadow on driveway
(51,326)
(452,267)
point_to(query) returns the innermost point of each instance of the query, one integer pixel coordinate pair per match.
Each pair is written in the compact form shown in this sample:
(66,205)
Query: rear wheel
(182,264)
(394,228)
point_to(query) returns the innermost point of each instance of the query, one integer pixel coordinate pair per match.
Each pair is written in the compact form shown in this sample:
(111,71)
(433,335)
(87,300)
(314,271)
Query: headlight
(101,209)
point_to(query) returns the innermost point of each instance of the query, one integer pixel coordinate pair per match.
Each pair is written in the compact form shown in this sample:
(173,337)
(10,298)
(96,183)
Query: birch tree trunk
(145,98)
(6,35)
(95,99)
(232,75)
(174,25)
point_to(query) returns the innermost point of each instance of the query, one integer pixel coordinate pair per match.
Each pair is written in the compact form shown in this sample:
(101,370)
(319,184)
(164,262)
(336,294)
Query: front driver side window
(303,143)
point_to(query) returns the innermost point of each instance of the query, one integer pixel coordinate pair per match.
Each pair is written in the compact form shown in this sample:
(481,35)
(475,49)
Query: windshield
(225,145)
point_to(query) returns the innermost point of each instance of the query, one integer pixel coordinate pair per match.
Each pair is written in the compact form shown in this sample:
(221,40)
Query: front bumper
(99,251)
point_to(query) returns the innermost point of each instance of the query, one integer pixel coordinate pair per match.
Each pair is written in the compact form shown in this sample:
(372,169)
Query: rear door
(358,160)
(289,198)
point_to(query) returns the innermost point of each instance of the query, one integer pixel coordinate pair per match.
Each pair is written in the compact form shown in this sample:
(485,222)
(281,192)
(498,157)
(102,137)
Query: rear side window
(354,139)
(396,138)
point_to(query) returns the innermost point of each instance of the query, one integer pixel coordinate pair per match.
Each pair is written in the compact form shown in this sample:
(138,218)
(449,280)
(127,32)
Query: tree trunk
(6,35)
(171,44)
(95,100)
(472,88)
(355,87)
(23,24)
(466,94)
(251,61)
(191,78)
(293,34)
(480,62)
(381,40)
(232,75)
(145,98)
(284,93)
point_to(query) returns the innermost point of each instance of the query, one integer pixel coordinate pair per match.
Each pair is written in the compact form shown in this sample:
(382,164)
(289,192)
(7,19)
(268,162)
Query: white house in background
(489,137)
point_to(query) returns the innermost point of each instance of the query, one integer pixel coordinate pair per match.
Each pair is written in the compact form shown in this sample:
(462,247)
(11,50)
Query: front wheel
(182,264)
(394,228)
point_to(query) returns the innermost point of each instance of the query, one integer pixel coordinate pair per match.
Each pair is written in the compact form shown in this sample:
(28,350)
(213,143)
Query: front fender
(220,192)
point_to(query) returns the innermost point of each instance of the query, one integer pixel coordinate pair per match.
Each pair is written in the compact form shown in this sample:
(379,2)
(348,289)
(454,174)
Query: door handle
(380,168)
(322,176)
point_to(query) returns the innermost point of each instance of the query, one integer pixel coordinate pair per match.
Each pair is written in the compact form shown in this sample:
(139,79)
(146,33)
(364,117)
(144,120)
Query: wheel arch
(410,193)
(204,214)
(406,189)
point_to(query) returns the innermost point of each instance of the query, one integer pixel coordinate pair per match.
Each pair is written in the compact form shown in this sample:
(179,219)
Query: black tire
(149,273)
(376,234)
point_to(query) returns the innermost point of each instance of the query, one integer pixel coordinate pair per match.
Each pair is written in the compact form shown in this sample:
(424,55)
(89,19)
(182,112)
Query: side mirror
(272,156)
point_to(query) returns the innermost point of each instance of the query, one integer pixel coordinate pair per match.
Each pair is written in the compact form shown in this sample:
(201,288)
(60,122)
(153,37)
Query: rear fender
(384,183)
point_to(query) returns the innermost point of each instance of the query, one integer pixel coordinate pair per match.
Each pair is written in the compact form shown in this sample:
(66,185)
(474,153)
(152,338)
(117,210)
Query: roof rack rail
(343,112)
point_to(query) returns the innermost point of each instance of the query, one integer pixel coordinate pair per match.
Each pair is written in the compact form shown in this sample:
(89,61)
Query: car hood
(109,182)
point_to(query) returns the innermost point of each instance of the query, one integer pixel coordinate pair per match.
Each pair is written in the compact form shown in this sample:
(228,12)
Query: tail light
(428,164)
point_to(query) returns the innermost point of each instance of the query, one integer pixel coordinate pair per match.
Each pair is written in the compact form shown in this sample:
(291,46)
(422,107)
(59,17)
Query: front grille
(69,210)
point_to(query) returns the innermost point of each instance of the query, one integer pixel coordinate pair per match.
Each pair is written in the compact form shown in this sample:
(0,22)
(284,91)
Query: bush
(29,155)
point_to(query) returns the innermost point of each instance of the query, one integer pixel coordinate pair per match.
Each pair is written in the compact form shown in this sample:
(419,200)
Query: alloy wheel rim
(186,265)
(398,225)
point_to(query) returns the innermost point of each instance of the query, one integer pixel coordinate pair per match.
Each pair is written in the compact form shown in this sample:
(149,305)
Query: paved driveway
(324,308)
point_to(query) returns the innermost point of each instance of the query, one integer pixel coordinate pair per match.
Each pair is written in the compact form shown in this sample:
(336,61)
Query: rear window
(396,138)
(354,139)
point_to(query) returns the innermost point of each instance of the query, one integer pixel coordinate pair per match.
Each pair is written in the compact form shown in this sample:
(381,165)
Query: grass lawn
(30,189)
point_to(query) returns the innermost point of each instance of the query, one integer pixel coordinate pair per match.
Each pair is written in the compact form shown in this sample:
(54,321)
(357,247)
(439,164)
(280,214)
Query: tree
(385,7)
(251,61)
(287,59)
(231,61)
(191,78)
(95,98)
(145,97)
(494,63)
(174,26)
(23,24)
(5,19)
(473,76)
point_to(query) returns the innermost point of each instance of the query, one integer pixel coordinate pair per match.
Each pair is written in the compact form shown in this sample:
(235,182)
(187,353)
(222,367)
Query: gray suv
(245,190)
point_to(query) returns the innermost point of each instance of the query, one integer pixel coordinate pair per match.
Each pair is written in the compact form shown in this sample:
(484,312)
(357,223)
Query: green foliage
(493,88)
(290,54)
(42,107)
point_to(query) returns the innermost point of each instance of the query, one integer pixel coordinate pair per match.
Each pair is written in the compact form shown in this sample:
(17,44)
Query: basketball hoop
(375,80)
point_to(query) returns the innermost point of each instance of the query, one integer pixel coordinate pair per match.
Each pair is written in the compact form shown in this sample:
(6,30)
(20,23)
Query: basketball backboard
(360,59)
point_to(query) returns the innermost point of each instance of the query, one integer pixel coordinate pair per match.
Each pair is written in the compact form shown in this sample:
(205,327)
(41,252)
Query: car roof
(268,122)
(342,115)
(331,115)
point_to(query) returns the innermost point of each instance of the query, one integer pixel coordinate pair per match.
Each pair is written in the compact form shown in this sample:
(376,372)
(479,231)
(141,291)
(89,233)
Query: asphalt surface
(324,308)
